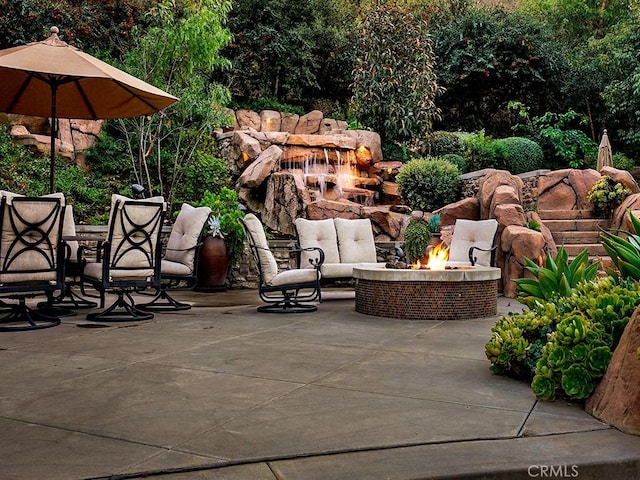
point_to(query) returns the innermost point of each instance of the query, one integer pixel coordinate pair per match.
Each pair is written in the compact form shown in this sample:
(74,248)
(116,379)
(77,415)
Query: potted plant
(223,239)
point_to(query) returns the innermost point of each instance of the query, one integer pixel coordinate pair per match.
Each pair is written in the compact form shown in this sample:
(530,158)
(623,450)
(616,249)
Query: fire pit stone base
(427,295)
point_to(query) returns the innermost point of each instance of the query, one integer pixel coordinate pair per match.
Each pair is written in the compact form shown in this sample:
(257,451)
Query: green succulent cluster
(573,360)
(606,194)
(564,346)
(556,278)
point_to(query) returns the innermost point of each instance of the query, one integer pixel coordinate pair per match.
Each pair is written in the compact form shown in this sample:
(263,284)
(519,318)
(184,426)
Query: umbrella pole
(54,133)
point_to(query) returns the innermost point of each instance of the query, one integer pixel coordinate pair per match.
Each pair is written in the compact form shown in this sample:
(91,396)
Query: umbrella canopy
(604,152)
(53,79)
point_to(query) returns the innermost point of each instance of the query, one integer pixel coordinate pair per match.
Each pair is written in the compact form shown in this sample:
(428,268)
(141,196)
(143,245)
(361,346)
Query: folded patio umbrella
(604,152)
(53,79)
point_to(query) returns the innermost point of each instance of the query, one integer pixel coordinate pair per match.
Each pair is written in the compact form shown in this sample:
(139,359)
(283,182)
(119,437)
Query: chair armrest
(315,262)
(474,259)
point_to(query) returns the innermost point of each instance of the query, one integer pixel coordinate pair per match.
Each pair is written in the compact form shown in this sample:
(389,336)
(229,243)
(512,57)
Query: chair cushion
(185,233)
(94,270)
(355,240)
(178,269)
(317,233)
(141,215)
(472,233)
(255,231)
(26,265)
(292,277)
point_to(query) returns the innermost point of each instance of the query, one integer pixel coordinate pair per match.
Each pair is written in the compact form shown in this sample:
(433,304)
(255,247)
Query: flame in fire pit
(436,258)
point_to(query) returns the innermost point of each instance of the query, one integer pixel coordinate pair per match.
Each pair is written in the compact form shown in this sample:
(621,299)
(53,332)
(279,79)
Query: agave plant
(624,252)
(556,278)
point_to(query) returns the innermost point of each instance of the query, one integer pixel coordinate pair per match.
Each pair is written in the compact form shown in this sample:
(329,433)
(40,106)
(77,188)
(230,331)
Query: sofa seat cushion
(169,267)
(344,270)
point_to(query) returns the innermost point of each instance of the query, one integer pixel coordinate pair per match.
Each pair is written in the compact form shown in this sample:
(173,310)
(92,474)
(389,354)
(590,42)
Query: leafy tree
(486,59)
(289,50)
(179,54)
(394,80)
(93,25)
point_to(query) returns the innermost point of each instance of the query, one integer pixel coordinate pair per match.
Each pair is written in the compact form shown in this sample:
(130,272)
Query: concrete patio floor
(224,392)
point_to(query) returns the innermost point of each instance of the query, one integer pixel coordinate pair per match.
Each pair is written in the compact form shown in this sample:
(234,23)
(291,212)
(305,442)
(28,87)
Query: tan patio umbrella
(604,152)
(53,79)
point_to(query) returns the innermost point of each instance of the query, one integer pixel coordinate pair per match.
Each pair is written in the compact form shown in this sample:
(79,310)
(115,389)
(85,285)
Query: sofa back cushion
(317,233)
(355,240)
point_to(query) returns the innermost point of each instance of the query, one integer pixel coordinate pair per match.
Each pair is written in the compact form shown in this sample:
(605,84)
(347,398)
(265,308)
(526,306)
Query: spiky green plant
(624,252)
(556,278)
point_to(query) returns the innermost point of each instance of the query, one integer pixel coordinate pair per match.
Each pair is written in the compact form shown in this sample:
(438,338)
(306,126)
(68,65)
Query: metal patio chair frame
(129,259)
(31,259)
(283,291)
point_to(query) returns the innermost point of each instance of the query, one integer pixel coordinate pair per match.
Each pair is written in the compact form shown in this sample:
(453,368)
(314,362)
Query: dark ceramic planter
(213,265)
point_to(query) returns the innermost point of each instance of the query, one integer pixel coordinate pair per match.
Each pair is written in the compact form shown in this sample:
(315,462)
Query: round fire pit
(451,294)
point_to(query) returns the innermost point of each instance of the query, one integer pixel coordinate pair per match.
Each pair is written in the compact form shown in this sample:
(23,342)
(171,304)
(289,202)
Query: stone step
(576,225)
(595,249)
(566,214)
(573,237)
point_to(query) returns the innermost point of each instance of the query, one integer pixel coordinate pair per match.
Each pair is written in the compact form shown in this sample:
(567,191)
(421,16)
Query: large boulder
(566,189)
(246,147)
(309,123)
(621,176)
(620,219)
(616,399)
(285,201)
(488,185)
(263,166)
(518,243)
(248,118)
(468,208)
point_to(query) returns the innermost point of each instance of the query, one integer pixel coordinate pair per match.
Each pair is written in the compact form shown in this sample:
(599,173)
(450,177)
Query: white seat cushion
(472,233)
(297,275)
(355,240)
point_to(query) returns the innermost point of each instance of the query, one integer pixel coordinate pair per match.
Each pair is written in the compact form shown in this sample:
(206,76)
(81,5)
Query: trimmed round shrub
(521,154)
(443,143)
(428,184)
(457,160)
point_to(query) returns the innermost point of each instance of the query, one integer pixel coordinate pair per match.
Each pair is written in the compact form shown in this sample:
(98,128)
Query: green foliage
(559,135)
(457,160)
(417,238)
(622,162)
(225,207)
(624,249)
(289,50)
(93,25)
(179,54)
(556,278)
(483,152)
(396,151)
(521,154)
(207,173)
(564,346)
(606,194)
(488,57)
(394,81)
(443,143)
(262,103)
(534,225)
(427,184)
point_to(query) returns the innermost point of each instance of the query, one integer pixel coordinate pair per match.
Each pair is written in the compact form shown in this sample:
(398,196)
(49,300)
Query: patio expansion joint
(271,459)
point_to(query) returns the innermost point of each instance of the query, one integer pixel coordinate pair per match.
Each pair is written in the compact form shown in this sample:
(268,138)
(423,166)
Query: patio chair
(73,266)
(31,258)
(178,269)
(283,291)
(129,258)
(473,243)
